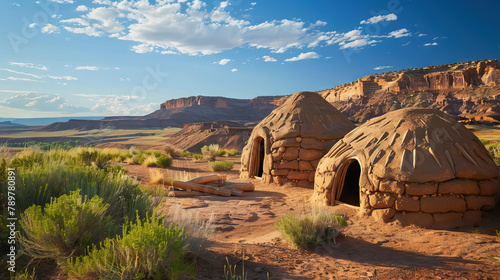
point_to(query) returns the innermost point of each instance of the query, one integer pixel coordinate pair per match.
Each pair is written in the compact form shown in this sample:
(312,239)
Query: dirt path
(245,226)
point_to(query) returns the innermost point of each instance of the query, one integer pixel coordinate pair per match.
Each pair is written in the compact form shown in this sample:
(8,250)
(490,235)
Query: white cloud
(358,43)
(405,44)
(382,67)
(253,3)
(67,78)
(302,56)
(33,25)
(50,28)
(143,48)
(119,105)
(379,18)
(431,44)
(81,8)
(79,21)
(90,68)
(435,38)
(422,35)
(20,73)
(41,102)
(89,30)
(164,25)
(29,65)
(168,52)
(19,79)
(223,61)
(403,32)
(234,70)
(269,58)
(62,1)
(318,23)
(124,79)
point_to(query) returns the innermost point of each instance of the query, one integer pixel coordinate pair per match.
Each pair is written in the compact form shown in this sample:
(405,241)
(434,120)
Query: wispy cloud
(269,58)
(430,44)
(223,61)
(67,78)
(403,32)
(20,73)
(41,102)
(302,56)
(90,68)
(29,65)
(19,79)
(379,18)
(119,105)
(50,29)
(382,67)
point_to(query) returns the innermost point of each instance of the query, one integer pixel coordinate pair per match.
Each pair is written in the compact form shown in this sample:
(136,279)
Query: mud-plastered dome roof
(417,145)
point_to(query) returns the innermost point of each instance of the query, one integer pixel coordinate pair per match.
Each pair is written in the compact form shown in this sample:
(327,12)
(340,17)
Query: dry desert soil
(245,234)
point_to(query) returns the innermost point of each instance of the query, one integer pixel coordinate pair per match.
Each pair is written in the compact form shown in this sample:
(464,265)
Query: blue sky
(101,57)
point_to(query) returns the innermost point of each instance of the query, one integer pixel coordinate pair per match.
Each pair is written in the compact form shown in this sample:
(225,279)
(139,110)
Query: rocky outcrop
(468,90)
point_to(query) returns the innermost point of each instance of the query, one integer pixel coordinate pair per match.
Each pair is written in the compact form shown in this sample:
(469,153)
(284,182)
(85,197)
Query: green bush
(185,153)
(147,249)
(197,156)
(150,161)
(164,161)
(27,159)
(222,153)
(310,229)
(233,152)
(36,186)
(224,165)
(171,150)
(138,159)
(65,227)
(210,151)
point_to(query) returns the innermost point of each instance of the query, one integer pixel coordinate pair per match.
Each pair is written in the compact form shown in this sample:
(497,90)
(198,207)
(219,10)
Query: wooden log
(236,192)
(184,193)
(201,188)
(208,178)
(244,186)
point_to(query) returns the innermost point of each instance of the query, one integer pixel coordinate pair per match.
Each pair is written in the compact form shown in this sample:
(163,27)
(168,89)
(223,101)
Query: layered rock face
(469,90)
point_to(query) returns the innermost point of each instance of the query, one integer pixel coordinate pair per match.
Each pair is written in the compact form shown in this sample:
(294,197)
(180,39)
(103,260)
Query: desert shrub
(185,153)
(197,230)
(27,159)
(156,153)
(65,227)
(150,161)
(87,156)
(197,156)
(497,232)
(147,249)
(233,152)
(3,172)
(36,186)
(25,275)
(223,165)
(164,161)
(494,149)
(171,150)
(222,153)
(155,176)
(210,151)
(310,229)
(138,159)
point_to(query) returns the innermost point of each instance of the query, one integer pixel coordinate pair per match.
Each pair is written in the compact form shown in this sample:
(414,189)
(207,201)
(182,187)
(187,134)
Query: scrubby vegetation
(65,227)
(494,149)
(306,230)
(164,161)
(146,250)
(45,146)
(171,150)
(223,165)
(211,151)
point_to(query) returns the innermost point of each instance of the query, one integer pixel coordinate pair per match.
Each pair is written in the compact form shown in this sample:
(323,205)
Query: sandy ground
(245,234)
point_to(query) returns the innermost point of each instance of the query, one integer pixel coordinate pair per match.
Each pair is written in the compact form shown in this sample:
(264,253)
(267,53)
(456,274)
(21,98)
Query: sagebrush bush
(316,227)
(36,186)
(66,227)
(233,152)
(210,151)
(223,165)
(138,159)
(150,161)
(197,157)
(164,161)
(494,149)
(146,250)
(185,153)
(171,150)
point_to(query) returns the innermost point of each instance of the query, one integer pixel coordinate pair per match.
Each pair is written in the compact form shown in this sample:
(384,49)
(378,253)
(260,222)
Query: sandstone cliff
(469,90)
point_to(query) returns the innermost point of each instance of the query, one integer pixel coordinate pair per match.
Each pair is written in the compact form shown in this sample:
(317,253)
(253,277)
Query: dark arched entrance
(348,188)
(259,152)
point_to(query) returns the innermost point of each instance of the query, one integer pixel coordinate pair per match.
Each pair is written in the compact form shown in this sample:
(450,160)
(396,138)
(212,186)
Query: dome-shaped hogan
(287,145)
(418,166)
